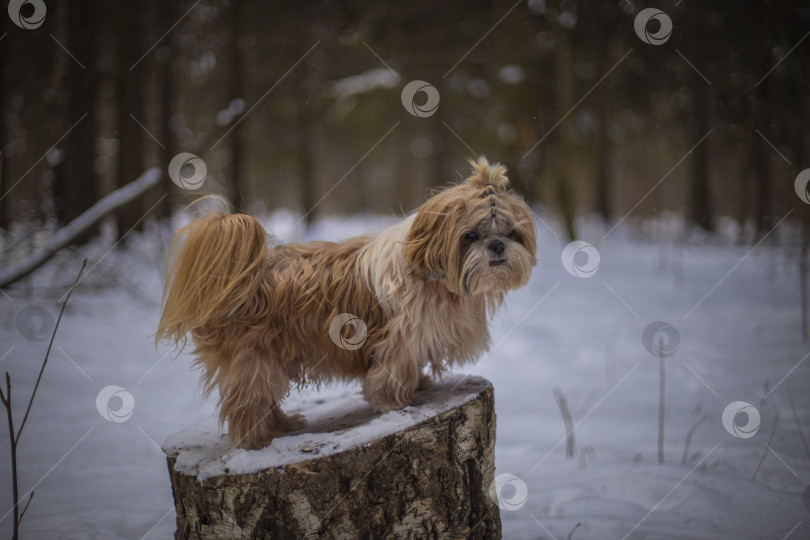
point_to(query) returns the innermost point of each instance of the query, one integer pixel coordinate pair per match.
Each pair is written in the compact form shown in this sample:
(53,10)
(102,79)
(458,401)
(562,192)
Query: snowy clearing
(95,478)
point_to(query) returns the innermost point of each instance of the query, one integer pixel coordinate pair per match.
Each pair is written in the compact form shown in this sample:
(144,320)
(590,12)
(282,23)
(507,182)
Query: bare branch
(3,398)
(15,492)
(31,496)
(47,353)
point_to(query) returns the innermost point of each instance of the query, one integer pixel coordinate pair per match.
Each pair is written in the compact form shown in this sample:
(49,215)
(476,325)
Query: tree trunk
(423,472)
(77,189)
(167,12)
(701,116)
(131,136)
(804,235)
(306,154)
(563,101)
(761,154)
(701,197)
(603,110)
(5,206)
(237,91)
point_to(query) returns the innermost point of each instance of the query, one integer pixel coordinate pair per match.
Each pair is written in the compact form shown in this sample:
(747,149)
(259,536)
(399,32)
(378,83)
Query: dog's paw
(426,381)
(382,408)
(295,422)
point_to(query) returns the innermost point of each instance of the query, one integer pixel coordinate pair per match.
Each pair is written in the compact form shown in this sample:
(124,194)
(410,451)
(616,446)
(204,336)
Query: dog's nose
(497,247)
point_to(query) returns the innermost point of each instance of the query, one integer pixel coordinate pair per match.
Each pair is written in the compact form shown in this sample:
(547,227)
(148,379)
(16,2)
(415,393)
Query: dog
(384,309)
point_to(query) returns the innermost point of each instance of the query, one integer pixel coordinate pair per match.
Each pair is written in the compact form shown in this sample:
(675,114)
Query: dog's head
(477,237)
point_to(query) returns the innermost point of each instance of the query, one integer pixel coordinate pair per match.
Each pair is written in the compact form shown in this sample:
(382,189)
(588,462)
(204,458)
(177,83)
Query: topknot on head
(491,177)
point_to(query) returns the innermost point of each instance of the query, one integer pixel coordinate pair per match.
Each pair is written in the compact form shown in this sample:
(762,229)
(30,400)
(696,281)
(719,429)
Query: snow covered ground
(95,478)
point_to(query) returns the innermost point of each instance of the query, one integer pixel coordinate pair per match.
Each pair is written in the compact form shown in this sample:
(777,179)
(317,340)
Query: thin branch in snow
(14,436)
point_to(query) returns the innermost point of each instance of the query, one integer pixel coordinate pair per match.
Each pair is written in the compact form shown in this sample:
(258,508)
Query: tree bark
(428,479)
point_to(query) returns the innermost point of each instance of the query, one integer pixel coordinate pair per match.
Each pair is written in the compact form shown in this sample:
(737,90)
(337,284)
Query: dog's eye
(514,236)
(471,236)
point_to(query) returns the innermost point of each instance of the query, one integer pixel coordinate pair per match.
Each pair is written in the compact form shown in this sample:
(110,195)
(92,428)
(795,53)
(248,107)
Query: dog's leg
(392,379)
(251,392)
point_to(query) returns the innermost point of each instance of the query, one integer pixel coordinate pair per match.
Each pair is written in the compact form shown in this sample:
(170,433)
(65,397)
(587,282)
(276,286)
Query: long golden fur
(260,318)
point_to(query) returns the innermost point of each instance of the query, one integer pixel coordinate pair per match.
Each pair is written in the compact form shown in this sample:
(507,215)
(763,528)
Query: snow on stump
(421,472)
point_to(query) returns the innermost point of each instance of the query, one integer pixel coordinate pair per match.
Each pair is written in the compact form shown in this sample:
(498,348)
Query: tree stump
(421,472)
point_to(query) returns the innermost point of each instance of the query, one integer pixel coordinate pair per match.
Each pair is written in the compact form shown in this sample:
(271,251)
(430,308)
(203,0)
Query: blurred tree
(5,131)
(507,74)
(761,158)
(564,88)
(237,94)
(605,29)
(166,89)
(700,122)
(76,185)
(130,22)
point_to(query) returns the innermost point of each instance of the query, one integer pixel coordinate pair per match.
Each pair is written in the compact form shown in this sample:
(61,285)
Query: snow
(337,419)
(736,312)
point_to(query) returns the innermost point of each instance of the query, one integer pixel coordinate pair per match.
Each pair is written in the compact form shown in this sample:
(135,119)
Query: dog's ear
(431,246)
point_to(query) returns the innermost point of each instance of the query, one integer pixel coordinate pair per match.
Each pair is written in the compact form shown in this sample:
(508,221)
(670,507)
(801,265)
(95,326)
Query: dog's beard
(481,274)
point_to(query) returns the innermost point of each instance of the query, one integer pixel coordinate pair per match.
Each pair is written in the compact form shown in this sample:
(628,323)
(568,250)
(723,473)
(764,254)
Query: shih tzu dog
(380,308)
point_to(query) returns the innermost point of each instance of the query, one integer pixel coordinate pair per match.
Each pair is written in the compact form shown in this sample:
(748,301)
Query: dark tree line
(282,100)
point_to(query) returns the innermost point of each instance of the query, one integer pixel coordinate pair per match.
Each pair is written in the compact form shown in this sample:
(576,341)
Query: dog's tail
(213,268)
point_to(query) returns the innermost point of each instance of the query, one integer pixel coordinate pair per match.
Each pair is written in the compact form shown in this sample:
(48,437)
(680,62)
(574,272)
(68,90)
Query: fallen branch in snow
(569,424)
(14,437)
(87,219)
